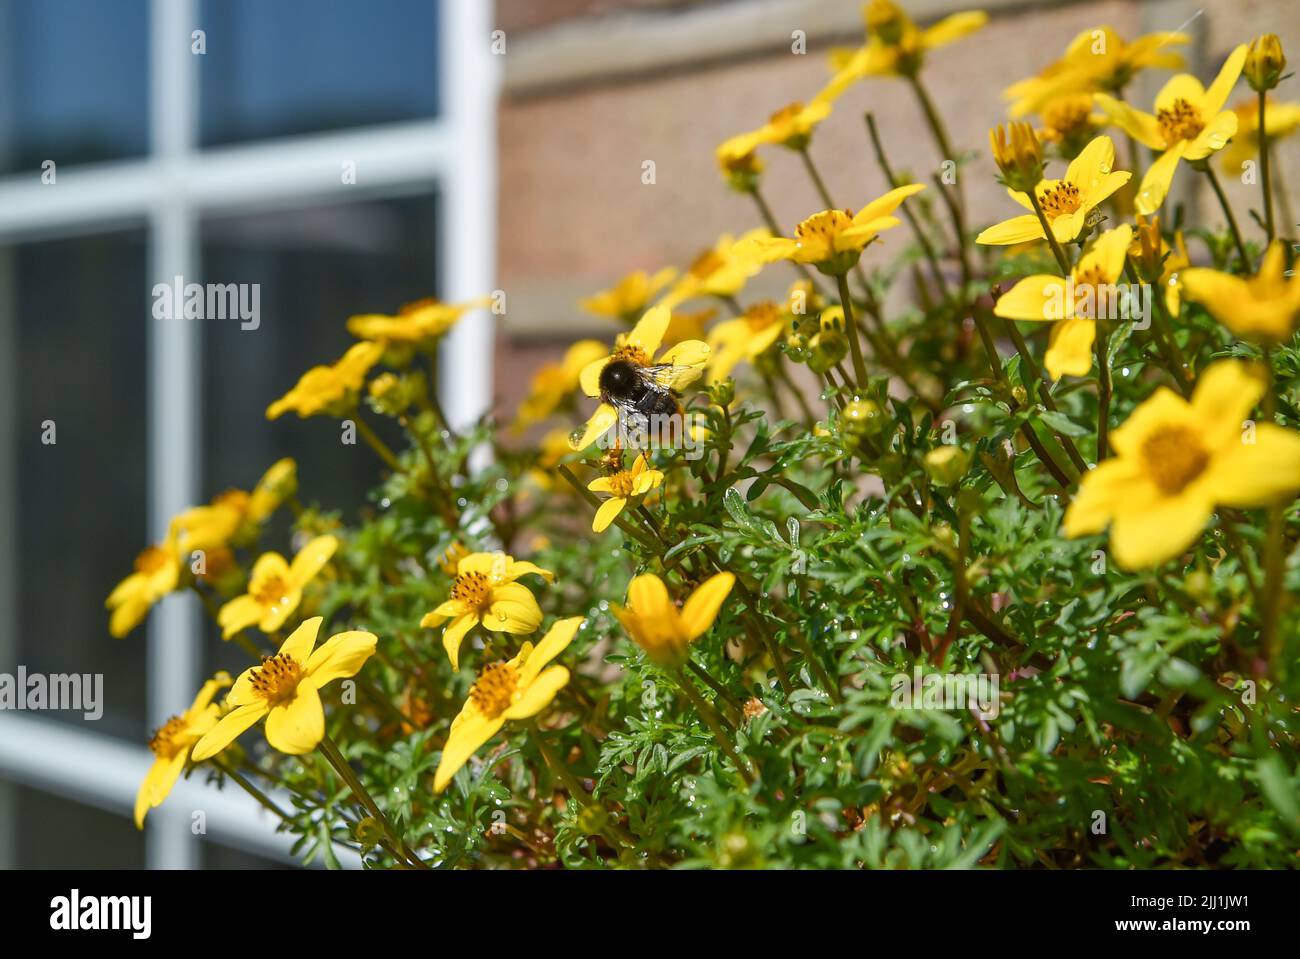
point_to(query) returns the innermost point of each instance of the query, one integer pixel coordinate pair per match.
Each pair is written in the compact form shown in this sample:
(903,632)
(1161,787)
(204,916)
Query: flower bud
(946,465)
(886,21)
(1018,155)
(862,418)
(1265,62)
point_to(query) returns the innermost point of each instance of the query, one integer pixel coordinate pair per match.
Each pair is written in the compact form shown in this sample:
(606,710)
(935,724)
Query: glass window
(50,832)
(76,312)
(314,267)
(304,66)
(74,77)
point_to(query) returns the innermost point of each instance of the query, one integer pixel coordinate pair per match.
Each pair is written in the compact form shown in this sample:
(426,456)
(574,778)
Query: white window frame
(171,189)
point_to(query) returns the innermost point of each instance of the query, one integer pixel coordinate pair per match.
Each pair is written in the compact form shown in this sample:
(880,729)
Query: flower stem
(1273,561)
(576,791)
(376,444)
(1265,183)
(1103,393)
(855,345)
(335,759)
(938,129)
(1227,212)
(238,779)
(714,722)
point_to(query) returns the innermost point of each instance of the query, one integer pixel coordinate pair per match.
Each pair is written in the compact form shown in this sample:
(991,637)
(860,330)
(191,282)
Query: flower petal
(1256,474)
(298,726)
(607,513)
(1155,182)
(1069,351)
(464,740)
(340,656)
(649,330)
(454,635)
(1018,229)
(228,730)
(555,641)
(600,422)
(1040,297)
(311,558)
(699,612)
(539,693)
(301,641)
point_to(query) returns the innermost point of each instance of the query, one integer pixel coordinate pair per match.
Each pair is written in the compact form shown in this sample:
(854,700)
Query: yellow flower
(664,632)
(419,322)
(554,382)
(1264,306)
(171,744)
(1018,155)
(745,338)
(1177,460)
(622,487)
(1189,124)
(739,162)
(628,298)
(1070,121)
(451,557)
(686,359)
(833,240)
(1265,62)
(285,690)
(687,325)
(1096,60)
(1283,119)
(275,588)
(329,389)
(1073,304)
(157,571)
(235,514)
(1090,178)
(791,127)
(1156,257)
(517,689)
(721,271)
(895,45)
(485,592)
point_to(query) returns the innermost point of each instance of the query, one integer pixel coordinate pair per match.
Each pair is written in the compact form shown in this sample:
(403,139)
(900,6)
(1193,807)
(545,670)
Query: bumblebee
(643,392)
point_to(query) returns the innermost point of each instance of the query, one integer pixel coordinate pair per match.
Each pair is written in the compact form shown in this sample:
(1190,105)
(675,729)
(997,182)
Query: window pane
(49,832)
(303,66)
(73,81)
(76,314)
(314,267)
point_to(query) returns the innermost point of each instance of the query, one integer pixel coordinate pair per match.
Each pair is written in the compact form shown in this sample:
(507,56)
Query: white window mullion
(175,437)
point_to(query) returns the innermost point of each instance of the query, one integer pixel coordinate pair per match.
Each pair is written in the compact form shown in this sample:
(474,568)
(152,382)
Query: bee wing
(666,376)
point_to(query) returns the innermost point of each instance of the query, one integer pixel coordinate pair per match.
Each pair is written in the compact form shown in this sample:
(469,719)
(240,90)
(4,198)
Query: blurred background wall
(592,88)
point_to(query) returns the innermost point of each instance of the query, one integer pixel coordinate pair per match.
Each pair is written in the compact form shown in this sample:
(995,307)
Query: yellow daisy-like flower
(721,271)
(1189,124)
(1070,121)
(622,487)
(688,325)
(1073,304)
(419,322)
(485,592)
(833,240)
(554,382)
(638,346)
(1264,306)
(1090,178)
(157,572)
(744,338)
(285,690)
(234,514)
(663,631)
(517,689)
(739,162)
(895,45)
(171,745)
(791,127)
(629,297)
(1096,60)
(275,588)
(329,389)
(1177,460)
(1282,119)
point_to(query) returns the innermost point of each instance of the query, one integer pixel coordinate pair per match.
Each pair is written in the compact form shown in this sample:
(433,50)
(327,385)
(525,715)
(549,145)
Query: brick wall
(574,215)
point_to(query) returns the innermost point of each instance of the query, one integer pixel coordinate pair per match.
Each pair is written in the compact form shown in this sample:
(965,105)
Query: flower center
(271,591)
(151,560)
(620,484)
(706,264)
(494,691)
(1066,115)
(1174,457)
(824,227)
(632,354)
(762,315)
(473,589)
(168,739)
(276,680)
(1181,121)
(1060,200)
(235,499)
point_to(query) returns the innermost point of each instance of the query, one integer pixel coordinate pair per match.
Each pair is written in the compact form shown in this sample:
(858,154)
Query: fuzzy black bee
(642,392)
